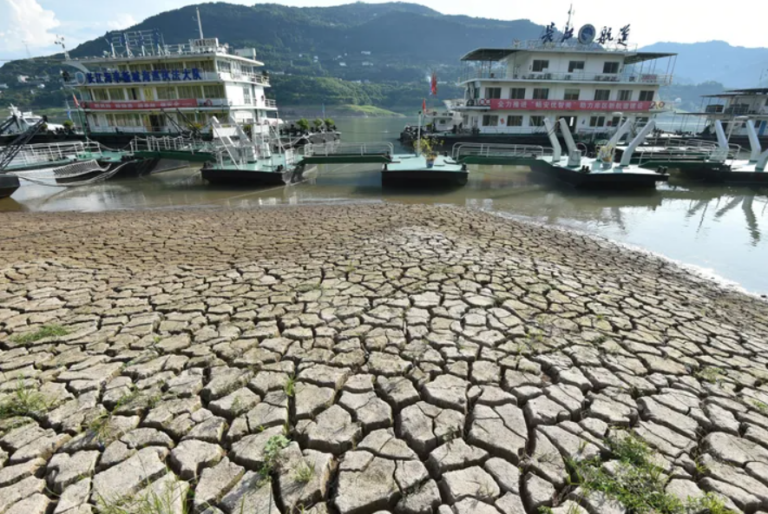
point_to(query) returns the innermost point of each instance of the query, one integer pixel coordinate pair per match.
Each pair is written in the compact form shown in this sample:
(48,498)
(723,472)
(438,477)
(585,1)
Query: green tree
(303,124)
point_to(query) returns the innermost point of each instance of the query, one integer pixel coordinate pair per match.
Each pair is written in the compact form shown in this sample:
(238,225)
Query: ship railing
(32,155)
(337,148)
(462,150)
(169,144)
(674,153)
(543,76)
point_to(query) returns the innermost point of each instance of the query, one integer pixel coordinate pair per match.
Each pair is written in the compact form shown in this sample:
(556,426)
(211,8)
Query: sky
(38,22)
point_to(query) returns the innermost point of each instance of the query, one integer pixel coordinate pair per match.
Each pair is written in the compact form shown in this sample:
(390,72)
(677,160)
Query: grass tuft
(44,332)
(636,482)
(304,473)
(290,386)
(24,401)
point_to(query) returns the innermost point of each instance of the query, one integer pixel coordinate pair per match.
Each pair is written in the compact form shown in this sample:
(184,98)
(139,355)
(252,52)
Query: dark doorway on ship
(571,120)
(155,122)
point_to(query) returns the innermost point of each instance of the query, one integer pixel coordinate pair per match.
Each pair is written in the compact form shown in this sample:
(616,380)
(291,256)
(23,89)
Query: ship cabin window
(610,67)
(166,93)
(597,121)
(574,66)
(116,94)
(642,121)
(246,94)
(492,93)
(572,94)
(647,96)
(540,65)
(537,121)
(615,121)
(149,94)
(214,91)
(602,94)
(517,93)
(625,95)
(133,93)
(190,92)
(758,123)
(490,120)
(541,93)
(514,121)
(100,95)
(225,66)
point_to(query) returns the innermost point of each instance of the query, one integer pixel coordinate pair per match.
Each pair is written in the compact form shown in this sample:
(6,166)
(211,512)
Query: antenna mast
(199,23)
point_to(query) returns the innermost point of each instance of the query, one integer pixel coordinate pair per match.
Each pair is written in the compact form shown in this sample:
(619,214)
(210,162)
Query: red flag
(424,106)
(434,84)
(77,104)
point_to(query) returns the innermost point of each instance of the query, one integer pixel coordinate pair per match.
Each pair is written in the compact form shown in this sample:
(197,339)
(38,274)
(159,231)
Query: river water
(720,231)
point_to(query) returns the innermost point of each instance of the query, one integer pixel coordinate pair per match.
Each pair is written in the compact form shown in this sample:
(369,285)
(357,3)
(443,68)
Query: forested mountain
(733,66)
(368,54)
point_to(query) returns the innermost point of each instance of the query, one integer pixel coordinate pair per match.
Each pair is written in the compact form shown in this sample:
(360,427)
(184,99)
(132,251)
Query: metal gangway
(500,154)
(336,152)
(168,147)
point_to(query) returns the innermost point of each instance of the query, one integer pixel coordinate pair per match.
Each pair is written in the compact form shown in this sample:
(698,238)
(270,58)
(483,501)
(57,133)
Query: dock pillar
(627,157)
(721,154)
(552,133)
(754,142)
(574,154)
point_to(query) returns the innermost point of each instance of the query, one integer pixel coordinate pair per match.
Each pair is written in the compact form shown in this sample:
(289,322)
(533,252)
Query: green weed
(710,374)
(761,406)
(24,401)
(42,333)
(304,473)
(636,482)
(166,502)
(290,386)
(271,450)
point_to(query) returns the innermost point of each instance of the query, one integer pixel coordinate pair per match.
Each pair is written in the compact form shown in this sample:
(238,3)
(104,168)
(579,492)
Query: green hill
(387,50)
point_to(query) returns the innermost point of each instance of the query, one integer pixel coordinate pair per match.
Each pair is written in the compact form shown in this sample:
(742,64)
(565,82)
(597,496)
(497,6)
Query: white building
(512,90)
(159,88)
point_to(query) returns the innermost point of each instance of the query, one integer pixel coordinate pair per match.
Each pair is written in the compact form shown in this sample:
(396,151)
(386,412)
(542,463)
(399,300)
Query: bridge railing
(339,148)
(463,150)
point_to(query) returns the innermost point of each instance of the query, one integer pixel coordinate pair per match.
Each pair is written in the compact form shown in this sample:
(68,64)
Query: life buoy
(208,103)
(660,105)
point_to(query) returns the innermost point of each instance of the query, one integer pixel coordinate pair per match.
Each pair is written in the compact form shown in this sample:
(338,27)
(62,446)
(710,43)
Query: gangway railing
(170,144)
(463,151)
(42,153)
(685,150)
(339,148)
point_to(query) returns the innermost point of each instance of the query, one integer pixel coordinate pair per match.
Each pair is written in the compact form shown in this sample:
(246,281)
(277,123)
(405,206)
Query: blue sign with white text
(127,77)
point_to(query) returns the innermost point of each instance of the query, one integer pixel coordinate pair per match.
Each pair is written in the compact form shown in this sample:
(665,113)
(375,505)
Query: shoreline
(411,356)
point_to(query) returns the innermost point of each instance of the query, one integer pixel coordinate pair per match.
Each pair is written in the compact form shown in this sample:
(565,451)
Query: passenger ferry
(144,87)
(590,79)
(734,109)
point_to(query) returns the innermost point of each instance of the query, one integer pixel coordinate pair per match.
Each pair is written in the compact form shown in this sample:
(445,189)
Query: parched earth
(364,359)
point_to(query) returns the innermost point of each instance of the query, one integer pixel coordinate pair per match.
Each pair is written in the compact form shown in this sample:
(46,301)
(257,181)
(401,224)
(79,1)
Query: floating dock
(412,170)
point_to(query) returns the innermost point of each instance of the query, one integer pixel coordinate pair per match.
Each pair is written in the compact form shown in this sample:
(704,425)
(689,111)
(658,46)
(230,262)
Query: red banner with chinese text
(563,105)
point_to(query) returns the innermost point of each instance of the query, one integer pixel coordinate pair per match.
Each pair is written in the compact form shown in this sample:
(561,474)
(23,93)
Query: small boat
(8,185)
(19,122)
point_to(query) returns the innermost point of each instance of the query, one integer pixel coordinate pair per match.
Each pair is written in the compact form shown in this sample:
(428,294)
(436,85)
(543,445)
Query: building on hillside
(146,87)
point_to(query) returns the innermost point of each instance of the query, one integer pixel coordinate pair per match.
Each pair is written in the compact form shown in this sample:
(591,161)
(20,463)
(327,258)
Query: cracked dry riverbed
(362,359)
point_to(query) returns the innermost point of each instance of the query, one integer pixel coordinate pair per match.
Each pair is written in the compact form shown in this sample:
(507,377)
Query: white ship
(142,86)
(589,78)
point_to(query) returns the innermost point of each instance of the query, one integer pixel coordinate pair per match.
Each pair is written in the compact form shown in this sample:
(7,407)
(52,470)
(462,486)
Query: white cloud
(122,21)
(26,20)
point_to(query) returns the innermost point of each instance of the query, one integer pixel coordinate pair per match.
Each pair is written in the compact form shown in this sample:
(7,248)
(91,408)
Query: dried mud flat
(366,359)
